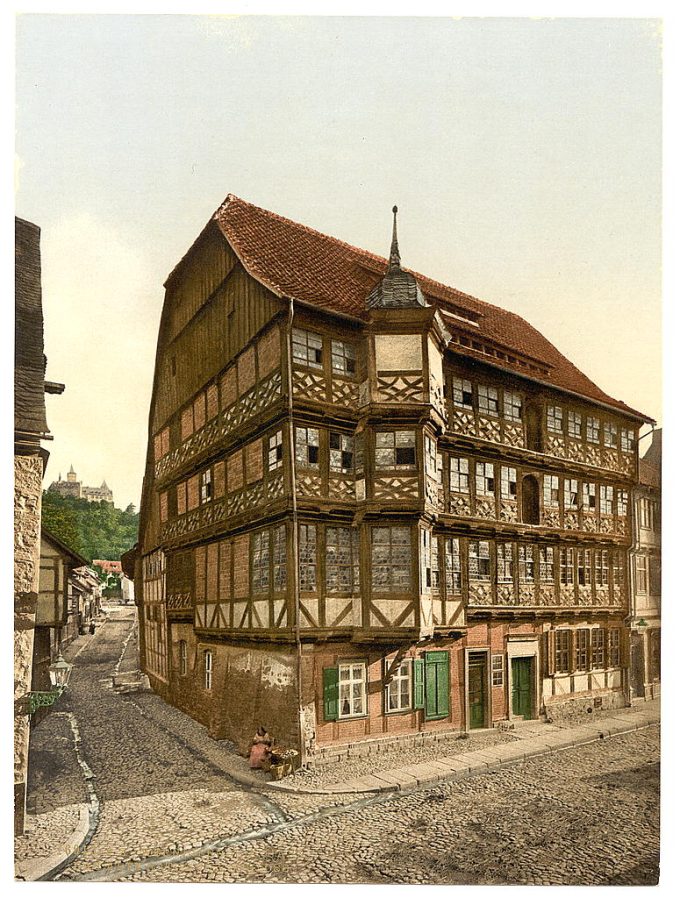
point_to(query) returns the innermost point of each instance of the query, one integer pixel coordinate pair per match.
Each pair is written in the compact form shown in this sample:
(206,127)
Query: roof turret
(398,289)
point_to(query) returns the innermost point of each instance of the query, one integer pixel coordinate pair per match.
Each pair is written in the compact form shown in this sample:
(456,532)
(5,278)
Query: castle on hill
(77,490)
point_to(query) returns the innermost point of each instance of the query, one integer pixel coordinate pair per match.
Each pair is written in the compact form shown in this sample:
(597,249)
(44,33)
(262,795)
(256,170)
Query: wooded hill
(93,529)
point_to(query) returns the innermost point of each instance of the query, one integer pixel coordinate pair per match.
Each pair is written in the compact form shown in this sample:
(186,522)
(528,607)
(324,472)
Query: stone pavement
(528,739)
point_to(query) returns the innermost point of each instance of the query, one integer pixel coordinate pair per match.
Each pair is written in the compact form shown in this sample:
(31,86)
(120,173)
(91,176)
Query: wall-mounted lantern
(60,672)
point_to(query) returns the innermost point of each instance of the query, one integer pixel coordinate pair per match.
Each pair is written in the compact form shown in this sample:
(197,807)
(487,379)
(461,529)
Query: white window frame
(307,348)
(459,475)
(497,670)
(207,669)
(487,401)
(403,675)
(555,419)
(353,678)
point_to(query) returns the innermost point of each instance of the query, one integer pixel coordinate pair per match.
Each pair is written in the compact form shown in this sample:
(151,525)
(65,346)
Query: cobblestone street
(170,811)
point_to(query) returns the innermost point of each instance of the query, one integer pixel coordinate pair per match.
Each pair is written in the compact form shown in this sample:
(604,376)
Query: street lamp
(59,671)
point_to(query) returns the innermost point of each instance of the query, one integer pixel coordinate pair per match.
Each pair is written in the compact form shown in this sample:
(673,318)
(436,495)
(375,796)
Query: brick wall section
(219,476)
(235,471)
(241,566)
(246,370)
(254,461)
(228,387)
(28,474)
(252,686)
(213,403)
(269,352)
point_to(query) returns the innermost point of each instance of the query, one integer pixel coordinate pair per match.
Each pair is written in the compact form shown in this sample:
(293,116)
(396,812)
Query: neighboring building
(73,488)
(30,459)
(127,590)
(53,628)
(85,599)
(109,567)
(372,505)
(645,648)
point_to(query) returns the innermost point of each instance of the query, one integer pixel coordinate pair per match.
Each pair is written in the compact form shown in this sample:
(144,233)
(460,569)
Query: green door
(521,688)
(436,685)
(477,691)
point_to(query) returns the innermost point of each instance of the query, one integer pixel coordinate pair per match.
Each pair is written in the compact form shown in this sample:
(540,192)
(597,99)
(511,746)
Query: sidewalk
(529,740)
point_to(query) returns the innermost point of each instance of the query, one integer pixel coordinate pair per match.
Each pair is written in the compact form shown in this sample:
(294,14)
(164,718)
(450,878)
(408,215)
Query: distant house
(109,567)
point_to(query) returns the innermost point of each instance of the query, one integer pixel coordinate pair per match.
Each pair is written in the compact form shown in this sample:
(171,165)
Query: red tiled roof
(293,260)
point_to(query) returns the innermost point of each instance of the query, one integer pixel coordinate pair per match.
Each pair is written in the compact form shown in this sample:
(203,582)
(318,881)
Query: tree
(93,529)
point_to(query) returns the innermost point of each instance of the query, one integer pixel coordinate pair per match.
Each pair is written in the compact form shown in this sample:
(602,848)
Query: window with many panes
(460,475)
(646,513)
(601,567)
(584,567)
(352,689)
(485,479)
(570,494)
(462,393)
(512,406)
(430,457)
(562,643)
(395,449)
(391,559)
(307,447)
(205,481)
(617,569)
(574,427)
(497,670)
(622,503)
(307,348)
(508,482)
(554,419)
(279,557)
(593,429)
(275,451)
(567,566)
(479,560)
(627,440)
(546,562)
(341,452)
(207,669)
(343,358)
(641,573)
(453,565)
(307,557)
(589,497)
(597,637)
(260,561)
(504,562)
(487,398)
(614,647)
(581,649)
(342,563)
(611,435)
(551,491)
(527,572)
(606,500)
(398,690)
(183,658)
(436,577)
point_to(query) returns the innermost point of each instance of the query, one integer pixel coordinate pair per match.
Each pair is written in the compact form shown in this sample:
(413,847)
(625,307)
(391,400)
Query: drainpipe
(296,549)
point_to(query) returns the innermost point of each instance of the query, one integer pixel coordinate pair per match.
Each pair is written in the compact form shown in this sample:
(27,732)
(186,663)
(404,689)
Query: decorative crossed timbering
(485,508)
(592,456)
(274,486)
(513,435)
(527,594)
(508,510)
(567,594)
(460,505)
(400,388)
(437,396)
(344,392)
(386,488)
(308,484)
(392,613)
(589,523)
(338,611)
(463,423)
(489,429)
(617,595)
(550,517)
(341,488)
(575,451)
(480,593)
(601,596)
(309,384)
(505,594)
(555,445)
(179,601)
(547,595)
(571,520)
(621,527)
(606,524)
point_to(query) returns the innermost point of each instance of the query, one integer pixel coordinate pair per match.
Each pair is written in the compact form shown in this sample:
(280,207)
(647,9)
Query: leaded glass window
(307,348)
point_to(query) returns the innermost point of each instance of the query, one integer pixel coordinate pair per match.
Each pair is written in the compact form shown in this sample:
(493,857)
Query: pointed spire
(71,470)
(395,258)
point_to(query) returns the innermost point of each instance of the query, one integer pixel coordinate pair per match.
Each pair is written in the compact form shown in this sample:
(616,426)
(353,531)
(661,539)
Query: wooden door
(477,691)
(436,685)
(521,688)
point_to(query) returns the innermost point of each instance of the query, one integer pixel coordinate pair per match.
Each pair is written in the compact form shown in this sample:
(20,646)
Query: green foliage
(93,529)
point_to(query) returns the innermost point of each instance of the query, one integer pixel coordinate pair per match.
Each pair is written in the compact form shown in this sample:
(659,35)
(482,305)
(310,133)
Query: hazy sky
(524,156)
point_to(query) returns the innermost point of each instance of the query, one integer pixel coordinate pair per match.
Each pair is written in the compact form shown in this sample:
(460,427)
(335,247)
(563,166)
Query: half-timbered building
(374,506)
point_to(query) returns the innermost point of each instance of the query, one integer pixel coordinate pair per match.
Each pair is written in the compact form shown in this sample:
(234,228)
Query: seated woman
(260,748)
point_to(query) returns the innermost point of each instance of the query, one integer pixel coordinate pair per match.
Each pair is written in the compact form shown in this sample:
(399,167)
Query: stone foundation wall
(577,708)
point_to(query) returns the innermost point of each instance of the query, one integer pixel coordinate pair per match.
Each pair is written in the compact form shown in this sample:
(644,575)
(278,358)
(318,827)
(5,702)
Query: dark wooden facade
(356,526)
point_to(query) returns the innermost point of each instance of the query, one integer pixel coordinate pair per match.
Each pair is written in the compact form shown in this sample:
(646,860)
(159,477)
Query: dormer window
(488,401)
(307,348)
(462,393)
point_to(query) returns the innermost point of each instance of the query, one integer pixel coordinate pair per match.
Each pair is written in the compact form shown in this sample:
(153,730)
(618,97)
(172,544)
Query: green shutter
(330,693)
(418,683)
(443,687)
